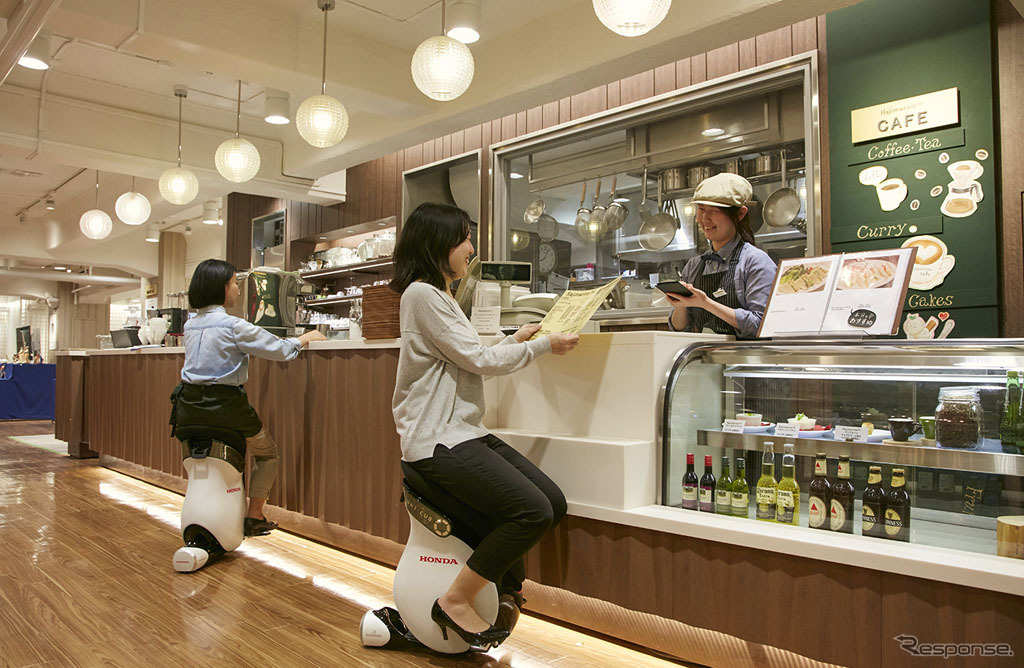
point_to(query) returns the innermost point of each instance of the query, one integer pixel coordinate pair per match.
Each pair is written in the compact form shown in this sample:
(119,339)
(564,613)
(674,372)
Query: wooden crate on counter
(380,313)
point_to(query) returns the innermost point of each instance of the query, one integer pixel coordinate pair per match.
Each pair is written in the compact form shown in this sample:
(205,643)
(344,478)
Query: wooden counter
(619,568)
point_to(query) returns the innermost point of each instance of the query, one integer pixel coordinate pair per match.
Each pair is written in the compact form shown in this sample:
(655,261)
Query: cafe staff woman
(732,281)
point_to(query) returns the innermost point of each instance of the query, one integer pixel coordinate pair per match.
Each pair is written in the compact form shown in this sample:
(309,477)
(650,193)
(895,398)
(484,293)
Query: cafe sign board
(911,114)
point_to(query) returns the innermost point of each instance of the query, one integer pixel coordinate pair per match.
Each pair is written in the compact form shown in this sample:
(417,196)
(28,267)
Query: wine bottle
(723,493)
(766,485)
(690,485)
(787,503)
(707,487)
(741,490)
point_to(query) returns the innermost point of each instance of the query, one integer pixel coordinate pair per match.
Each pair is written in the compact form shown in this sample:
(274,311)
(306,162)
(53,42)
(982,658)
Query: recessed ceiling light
(24,172)
(381,224)
(515,175)
(68,270)
(59,268)
(712,132)
(323,238)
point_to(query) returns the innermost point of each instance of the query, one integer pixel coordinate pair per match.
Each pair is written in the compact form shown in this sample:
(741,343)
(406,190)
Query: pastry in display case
(915,442)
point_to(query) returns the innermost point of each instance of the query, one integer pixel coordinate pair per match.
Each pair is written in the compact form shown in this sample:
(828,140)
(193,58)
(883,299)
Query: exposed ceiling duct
(90,279)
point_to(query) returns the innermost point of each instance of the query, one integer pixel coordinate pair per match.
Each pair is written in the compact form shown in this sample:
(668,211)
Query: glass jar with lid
(959,418)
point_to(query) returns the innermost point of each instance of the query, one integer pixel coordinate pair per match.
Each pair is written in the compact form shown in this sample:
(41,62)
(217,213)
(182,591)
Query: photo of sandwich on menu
(858,294)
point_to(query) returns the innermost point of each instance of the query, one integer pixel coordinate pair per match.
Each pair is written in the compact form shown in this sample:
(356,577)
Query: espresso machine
(271,299)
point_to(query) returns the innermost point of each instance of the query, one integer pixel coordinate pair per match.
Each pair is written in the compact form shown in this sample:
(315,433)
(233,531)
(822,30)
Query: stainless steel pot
(734,166)
(673,178)
(766,164)
(694,175)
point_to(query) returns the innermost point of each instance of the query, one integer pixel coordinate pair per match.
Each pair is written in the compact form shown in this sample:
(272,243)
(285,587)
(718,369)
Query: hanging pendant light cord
(133,184)
(179,130)
(96,201)
(323,71)
(444,17)
(238,110)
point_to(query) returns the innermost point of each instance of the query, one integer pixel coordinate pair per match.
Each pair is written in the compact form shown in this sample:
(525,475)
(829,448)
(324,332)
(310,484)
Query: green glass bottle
(787,495)
(723,493)
(1010,424)
(766,485)
(741,490)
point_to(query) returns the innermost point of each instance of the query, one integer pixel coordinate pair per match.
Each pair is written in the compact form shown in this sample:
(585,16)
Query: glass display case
(941,421)
(612,196)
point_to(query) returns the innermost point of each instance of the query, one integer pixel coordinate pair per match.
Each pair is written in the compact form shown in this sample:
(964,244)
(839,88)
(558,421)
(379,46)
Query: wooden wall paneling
(564,110)
(376,189)
(698,68)
(397,187)
(550,114)
(428,152)
(521,123)
(1008,26)
(748,53)
(332,217)
(414,156)
(446,147)
(485,226)
(439,149)
(723,61)
(508,129)
(459,142)
(774,45)
(614,95)
(665,78)
(472,140)
(936,612)
(390,184)
(637,87)
(534,119)
(805,36)
(683,73)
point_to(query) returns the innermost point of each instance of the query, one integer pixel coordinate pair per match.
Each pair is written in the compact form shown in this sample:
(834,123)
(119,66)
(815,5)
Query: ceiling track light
(237,159)
(51,203)
(322,120)
(442,67)
(276,107)
(464,23)
(94,223)
(37,57)
(211,213)
(177,184)
(133,208)
(153,233)
(631,18)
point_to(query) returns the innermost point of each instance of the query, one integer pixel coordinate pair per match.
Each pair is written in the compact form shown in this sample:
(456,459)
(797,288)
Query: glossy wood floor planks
(86,580)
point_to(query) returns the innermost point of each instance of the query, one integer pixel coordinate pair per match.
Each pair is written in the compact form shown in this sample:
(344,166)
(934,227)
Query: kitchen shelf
(331,301)
(760,179)
(370,267)
(988,459)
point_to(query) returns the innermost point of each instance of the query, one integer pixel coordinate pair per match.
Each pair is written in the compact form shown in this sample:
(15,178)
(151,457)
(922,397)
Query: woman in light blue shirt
(217,349)
(732,281)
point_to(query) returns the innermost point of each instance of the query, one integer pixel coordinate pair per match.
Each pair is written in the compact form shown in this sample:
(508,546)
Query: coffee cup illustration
(964,191)
(931,264)
(891,193)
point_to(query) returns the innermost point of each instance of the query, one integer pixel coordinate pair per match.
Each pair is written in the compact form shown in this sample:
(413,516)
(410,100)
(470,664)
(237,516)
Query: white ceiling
(107,102)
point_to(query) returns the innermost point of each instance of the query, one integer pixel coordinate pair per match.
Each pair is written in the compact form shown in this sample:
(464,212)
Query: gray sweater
(439,392)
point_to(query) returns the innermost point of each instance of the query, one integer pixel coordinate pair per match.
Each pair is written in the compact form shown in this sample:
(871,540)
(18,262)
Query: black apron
(214,406)
(713,283)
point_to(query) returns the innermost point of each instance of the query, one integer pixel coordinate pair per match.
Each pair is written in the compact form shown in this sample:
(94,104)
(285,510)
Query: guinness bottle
(843,494)
(897,508)
(690,485)
(820,495)
(873,505)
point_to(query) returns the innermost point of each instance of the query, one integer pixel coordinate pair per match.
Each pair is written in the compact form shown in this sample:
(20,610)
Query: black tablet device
(675,287)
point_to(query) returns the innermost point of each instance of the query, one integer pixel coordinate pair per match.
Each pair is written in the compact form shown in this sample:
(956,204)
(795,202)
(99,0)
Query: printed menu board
(839,294)
(573,309)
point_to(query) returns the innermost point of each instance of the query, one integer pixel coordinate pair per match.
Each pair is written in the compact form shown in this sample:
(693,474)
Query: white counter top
(357,344)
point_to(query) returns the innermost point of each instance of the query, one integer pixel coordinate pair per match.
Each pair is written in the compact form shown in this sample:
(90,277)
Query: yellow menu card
(573,309)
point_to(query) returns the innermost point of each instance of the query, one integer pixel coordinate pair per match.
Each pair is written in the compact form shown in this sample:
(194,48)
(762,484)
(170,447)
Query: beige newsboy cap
(724,190)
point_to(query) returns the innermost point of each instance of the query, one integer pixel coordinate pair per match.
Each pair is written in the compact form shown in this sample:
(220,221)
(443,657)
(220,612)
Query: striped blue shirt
(218,345)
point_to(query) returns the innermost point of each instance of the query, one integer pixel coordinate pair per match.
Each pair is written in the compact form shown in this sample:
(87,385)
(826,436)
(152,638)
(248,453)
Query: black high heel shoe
(492,637)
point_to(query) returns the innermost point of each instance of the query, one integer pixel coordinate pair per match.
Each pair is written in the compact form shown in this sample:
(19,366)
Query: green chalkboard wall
(885,50)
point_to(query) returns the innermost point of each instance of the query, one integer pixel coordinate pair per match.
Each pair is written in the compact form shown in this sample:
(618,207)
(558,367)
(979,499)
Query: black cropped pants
(506,501)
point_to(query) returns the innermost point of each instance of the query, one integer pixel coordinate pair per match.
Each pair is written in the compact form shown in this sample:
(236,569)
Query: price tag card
(787,430)
(486,319)
(733,426)
(844,433)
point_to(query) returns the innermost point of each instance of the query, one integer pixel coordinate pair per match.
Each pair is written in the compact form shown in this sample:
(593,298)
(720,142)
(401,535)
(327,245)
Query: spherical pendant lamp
(177,184)
(322,120)
(132,207)
(631,18)
(237,159)
(442,67)
(94,223)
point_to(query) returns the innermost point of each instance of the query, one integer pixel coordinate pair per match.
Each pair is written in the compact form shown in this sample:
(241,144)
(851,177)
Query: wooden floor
(86,580)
